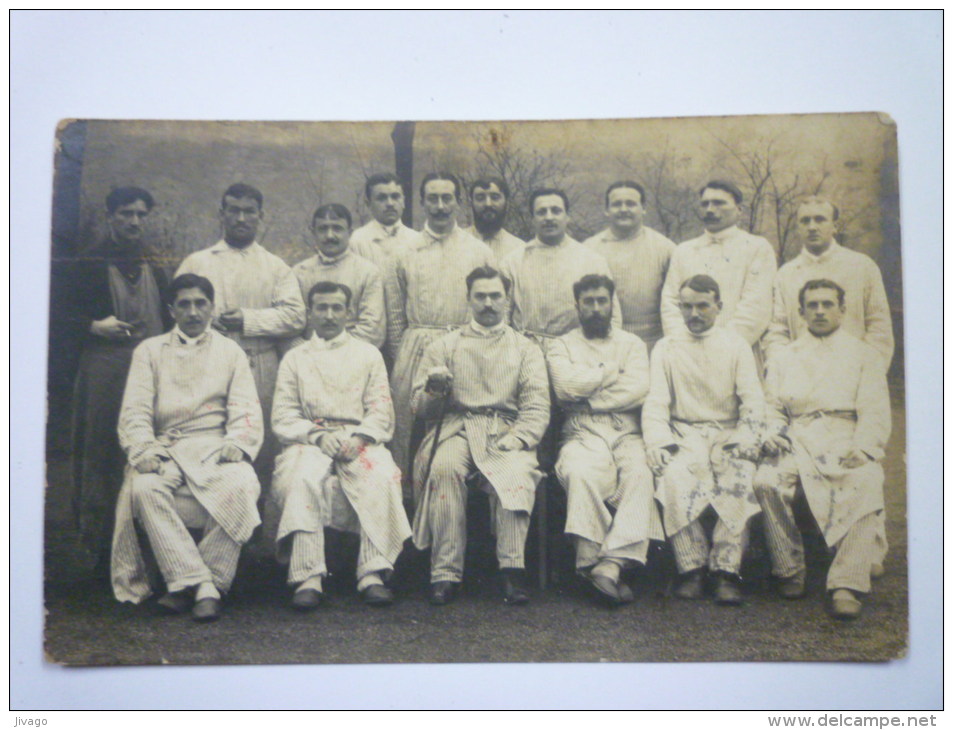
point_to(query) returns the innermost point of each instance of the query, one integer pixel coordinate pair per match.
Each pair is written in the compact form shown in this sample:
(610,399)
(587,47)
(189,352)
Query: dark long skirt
(97,459)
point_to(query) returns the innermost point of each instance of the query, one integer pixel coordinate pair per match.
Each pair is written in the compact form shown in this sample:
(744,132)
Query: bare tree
(525,169)
(669,190)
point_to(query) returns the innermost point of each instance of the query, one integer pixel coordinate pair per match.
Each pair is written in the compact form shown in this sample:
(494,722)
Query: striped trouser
(159,503)
(307,557)
(448,515)
(860,547)
(693,551)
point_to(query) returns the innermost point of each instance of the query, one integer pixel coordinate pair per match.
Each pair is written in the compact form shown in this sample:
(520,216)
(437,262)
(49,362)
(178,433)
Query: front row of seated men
(191,424)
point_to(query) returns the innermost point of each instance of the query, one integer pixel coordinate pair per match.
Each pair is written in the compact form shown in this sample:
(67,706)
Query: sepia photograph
(476,359)
(326,379)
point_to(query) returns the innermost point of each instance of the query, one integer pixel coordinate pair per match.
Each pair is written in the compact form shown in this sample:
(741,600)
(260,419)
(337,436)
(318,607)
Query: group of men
(763,384)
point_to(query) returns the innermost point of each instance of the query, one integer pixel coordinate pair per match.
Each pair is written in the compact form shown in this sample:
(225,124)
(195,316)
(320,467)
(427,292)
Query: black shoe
(307,599)
(176,601)
(691,585)
(377,595)
(207,610)
(727,590)
(514,587)
(442,592)
(625,592)
(602,589)
(792,587)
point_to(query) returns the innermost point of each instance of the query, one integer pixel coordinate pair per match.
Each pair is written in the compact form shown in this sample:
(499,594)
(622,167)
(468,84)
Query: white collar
(438,236)
(487,331)
(319,343)
(183,339)
(823,256)
(722,235)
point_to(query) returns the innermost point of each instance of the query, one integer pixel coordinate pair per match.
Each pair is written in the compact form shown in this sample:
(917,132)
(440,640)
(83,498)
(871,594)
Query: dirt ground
(85,625)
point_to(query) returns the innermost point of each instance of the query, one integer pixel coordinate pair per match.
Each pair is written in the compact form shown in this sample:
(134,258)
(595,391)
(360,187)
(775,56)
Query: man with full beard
(489,200)
(600,375)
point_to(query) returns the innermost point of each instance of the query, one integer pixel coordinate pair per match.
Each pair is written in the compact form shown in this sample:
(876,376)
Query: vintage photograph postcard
(399,392)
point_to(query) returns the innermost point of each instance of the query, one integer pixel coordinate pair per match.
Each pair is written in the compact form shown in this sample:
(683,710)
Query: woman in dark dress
(116,302)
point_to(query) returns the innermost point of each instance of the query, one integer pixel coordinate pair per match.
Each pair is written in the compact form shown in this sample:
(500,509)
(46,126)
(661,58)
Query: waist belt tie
(847,415)
(720,425)
(441,327)
(329,423)
(497,413)
(168,437)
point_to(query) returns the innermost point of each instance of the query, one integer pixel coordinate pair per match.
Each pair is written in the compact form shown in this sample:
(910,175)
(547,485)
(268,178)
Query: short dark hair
(118,197)
(243,190)
(331,210)
(593,281)
(488,272)
(821,284)
(486,182)
(189,281)
(728,187)
(380,178)
(703,284)
(449,176)
(540,192)
(818,200)
(330,287)
(618,184)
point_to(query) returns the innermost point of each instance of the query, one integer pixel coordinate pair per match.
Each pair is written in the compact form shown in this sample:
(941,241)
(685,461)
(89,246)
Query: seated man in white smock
(332,415)
(702,422)
(600,375)
(828,422)
(495,394)
(191,425)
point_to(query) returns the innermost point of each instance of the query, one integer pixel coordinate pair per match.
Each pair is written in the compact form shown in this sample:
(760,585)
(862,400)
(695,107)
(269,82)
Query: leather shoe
(307,599)
(377,595)
(844,605)
(442,592)
(207,610)
(791,587)
(607,591)
(727,591)
(514,587)
(625,592)
(176,601)
(691,586)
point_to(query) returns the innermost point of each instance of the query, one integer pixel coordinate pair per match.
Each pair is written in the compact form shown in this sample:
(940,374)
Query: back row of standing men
(405,290)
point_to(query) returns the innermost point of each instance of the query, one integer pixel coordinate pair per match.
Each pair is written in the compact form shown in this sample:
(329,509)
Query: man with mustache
(425,294)
(866,313)
(544,271)
(489,200)
(258,300)
(743,264)
(639,258)
(493,384)
(828,423)
(382,236)
(335,261)
(333,415)
(702,422)
(114,303)
(191,426)
(600,375)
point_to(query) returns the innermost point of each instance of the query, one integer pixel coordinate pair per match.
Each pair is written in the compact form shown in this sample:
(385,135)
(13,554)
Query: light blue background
(493,65)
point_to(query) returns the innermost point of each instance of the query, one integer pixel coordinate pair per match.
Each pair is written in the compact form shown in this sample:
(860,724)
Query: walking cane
(436,437)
